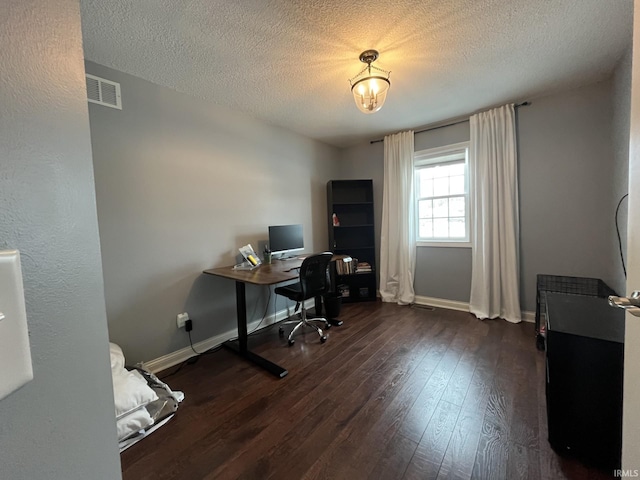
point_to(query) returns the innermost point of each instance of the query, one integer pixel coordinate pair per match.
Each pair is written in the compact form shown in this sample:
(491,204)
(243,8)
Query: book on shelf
(346,267)
(353,266)
(363,267)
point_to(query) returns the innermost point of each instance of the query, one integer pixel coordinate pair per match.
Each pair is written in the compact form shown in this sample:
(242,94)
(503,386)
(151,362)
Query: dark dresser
(584,364)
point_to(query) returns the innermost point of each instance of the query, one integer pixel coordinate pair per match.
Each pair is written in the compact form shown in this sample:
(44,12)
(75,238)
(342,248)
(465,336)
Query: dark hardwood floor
(394,393)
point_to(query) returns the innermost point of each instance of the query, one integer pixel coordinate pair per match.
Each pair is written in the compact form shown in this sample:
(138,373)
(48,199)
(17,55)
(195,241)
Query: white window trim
(447,244)
(435,155)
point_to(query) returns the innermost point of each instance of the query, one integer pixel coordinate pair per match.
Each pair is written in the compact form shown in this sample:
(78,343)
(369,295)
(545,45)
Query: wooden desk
(277,272)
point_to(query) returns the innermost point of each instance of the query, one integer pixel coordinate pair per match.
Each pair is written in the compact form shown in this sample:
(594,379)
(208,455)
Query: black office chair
(314,281)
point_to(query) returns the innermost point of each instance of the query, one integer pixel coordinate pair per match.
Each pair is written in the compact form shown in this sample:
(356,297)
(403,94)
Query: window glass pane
(456,185)
(425,208)
(426,187)
(440,186)
(456,207)
(426,172)
(440,171)
(440,207)
(456,227)
(425,229)
(456,169)
(440,227)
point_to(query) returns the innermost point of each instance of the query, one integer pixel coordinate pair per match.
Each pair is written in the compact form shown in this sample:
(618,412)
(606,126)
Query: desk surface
(276,272)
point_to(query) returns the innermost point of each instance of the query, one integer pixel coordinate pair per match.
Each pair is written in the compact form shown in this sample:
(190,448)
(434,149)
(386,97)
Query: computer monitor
(285,239)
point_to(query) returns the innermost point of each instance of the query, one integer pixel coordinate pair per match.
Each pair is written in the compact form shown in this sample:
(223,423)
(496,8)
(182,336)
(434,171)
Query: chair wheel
(323,339)
(281,332)
(327,326)
(291,342)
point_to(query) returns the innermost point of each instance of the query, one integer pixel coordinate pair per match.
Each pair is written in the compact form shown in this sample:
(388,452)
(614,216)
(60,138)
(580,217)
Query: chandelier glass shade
(370,86)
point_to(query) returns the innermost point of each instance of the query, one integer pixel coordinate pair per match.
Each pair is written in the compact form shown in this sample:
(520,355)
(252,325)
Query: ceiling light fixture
(370,89)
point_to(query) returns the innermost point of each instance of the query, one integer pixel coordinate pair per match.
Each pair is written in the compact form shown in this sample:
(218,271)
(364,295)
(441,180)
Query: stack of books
(346,268)
(363,267)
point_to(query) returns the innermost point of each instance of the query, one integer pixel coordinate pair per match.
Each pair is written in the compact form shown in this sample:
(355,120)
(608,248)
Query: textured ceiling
(288,62)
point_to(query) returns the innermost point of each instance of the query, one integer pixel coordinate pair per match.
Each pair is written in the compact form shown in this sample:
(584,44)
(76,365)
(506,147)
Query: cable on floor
(194,359)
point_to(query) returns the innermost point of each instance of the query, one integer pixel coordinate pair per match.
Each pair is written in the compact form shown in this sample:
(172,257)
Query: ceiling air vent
(103,92)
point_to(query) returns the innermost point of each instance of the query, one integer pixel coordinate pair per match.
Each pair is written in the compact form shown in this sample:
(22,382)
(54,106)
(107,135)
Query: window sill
(445,244)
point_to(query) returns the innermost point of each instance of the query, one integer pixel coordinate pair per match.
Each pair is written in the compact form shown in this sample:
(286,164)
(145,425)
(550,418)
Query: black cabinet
(351,232)
(584,360)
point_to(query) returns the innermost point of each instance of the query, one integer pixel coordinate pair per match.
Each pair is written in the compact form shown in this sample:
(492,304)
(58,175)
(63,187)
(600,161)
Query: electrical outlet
(181,319)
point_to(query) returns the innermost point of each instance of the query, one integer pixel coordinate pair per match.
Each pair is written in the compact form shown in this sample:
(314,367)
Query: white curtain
(398,240)
(494,175)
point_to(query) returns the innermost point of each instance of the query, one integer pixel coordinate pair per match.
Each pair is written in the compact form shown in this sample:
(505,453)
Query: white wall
(60,425)
(180,185)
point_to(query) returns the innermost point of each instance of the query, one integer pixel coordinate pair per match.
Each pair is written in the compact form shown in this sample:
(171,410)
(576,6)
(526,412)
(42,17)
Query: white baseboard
(174,358)
(461,306)
(529,317)
(442,303)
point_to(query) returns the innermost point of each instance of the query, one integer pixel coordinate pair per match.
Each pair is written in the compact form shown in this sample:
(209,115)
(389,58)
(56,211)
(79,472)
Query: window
(442,195)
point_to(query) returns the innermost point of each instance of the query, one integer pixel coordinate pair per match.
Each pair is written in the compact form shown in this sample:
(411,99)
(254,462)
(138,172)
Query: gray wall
(61,425)
(180,185)
(566,176)
(621,124)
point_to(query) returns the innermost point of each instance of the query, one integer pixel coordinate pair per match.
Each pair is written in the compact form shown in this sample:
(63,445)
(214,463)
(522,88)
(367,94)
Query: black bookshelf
(351,201)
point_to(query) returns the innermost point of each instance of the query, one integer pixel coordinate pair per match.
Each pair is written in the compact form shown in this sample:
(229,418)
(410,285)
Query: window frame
(441,156)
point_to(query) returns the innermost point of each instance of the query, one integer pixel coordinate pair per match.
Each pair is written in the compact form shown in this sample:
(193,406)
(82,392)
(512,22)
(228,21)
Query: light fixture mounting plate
(369,56)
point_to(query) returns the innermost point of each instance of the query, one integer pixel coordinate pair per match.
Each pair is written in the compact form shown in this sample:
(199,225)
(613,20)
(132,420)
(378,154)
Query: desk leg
(240,346)
(241,313)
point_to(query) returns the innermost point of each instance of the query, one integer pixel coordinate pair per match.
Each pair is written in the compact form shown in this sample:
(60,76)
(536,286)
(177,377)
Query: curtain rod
(523,104)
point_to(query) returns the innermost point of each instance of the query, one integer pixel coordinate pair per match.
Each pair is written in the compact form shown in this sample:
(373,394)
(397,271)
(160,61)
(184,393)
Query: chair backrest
(313,274)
